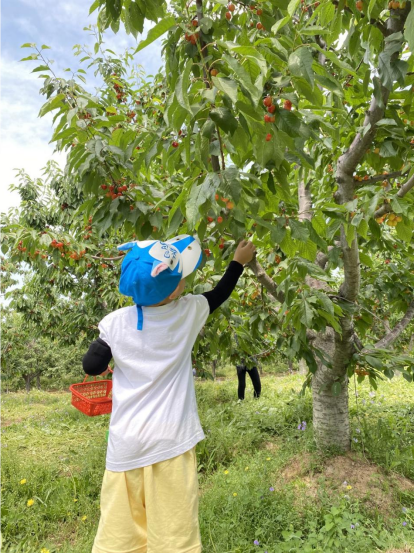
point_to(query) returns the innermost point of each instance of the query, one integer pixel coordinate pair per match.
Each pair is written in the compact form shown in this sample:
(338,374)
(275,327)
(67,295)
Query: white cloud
(24,137)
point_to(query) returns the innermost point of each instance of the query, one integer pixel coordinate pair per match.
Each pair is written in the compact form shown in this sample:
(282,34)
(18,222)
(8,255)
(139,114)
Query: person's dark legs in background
(241,372)
(256,381)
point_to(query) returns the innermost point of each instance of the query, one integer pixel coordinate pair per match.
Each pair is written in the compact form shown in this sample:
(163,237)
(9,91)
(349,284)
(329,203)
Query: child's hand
(244,252)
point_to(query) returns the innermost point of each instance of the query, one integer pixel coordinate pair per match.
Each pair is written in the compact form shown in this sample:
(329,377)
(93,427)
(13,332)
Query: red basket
(92,398)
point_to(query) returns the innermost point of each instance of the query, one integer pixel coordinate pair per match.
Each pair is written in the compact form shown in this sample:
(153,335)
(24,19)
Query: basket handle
(111,371)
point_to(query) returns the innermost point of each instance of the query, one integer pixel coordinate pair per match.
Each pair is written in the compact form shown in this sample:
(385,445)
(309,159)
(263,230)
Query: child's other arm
(97,357)
(243,254)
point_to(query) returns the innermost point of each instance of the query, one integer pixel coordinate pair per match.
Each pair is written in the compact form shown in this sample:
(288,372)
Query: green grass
(61,454)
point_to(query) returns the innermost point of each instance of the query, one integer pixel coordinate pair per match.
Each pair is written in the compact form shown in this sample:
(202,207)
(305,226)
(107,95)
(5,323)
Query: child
(149,495)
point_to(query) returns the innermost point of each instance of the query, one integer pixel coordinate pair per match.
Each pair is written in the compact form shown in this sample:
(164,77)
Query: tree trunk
(303,369)
(214,363)
(38,381)
(27,380)
(330,412)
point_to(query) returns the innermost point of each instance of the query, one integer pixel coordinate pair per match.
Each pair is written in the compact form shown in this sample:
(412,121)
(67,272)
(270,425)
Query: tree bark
(387,340)
(303,369)
(330,412)
(27,380)
(214,363)
(199,10)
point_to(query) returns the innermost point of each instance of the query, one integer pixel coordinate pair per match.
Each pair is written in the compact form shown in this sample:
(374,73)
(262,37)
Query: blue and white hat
(152,269)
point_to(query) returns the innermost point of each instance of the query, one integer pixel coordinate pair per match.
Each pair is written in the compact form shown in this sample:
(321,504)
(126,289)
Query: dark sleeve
(96,359)
(225,286)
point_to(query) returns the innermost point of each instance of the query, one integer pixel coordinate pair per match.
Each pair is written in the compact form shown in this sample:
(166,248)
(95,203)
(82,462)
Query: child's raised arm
(243,254)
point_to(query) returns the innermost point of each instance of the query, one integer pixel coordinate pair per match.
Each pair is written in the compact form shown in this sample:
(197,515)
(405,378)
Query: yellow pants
(152,509)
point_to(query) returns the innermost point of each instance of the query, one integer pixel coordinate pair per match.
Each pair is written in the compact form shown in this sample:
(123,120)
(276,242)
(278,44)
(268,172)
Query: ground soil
(369,484)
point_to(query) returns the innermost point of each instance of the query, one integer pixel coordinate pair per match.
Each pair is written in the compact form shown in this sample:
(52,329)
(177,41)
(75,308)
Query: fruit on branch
(287,105)
(268,137)
(267,101)
(228,16)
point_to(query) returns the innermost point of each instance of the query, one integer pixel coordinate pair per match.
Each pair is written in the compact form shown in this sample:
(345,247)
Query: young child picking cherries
(149,495)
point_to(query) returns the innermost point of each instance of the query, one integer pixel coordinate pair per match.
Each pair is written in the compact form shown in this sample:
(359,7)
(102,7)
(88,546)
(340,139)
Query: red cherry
(267,118)
(259,25)
(221,246)
(271,109)
(268,137)
(103,186)
(259,12)
(267,101)
(231,7)
(210,219)
(195,23)
(228,15)
(220,219)
(175,144)
(287,105)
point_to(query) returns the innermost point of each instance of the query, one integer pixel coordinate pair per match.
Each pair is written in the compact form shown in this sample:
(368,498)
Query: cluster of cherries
(118,89)
(271,107)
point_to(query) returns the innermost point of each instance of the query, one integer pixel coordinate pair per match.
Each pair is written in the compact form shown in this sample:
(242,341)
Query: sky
(24,138)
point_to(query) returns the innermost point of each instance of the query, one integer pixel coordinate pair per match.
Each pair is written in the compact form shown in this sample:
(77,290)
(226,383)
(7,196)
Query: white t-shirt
(154,412)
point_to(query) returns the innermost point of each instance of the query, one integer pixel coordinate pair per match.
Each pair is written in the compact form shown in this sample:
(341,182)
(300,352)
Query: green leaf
(41,68)
(136,17)
(349,231)
(288,245)
(243,77)
(300,64)
(292,6)
(114,8)
(228,86)
(374,362)
(409,29)
(180,199)
(268,153)
(307,316)
(365,259)
(51,104)
(208,128)
(336,60)
(158,30)
(224,118)
(94,6)
(308,250)
(28,45)
(363,228)
(199,195)
(404,232)
(280,24)
(299,230)
(182,86)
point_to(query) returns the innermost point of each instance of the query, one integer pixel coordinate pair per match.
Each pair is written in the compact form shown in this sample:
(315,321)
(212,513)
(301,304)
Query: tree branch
(265,280)
(378,178)
(390,338)
(304,201)
(386,208)
(205,54)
